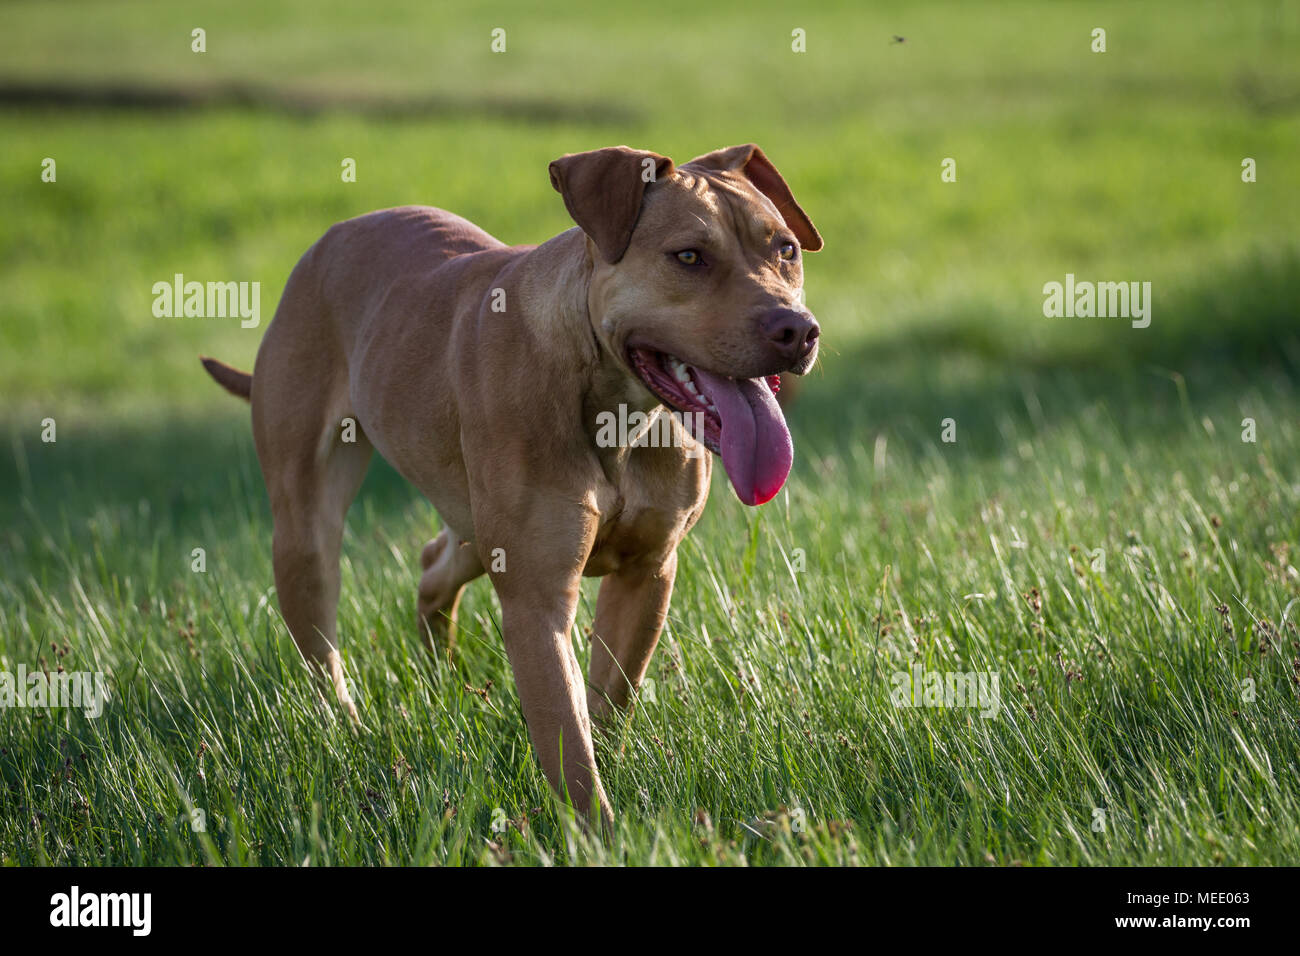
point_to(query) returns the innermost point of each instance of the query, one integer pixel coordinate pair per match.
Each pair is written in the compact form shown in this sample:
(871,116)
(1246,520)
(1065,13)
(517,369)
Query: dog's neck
(605,383)
(606,380)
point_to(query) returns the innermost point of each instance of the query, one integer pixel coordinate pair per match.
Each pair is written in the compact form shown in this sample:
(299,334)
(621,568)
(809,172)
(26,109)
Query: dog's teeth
(680,371)
(690,386)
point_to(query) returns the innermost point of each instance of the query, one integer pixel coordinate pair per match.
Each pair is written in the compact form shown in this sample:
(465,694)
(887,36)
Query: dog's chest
(651,500)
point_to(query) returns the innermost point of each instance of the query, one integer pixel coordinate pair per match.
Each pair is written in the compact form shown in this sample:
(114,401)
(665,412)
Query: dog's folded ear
(758,169)
(602,190)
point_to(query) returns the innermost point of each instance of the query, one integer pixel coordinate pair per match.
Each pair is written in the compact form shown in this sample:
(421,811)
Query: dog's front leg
(630,613)
(536,566)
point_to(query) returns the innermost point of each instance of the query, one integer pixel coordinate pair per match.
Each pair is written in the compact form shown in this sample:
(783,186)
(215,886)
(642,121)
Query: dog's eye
(787,251)
(689,257)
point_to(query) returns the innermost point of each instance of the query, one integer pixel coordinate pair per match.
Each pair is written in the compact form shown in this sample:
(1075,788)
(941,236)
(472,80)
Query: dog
(479,371)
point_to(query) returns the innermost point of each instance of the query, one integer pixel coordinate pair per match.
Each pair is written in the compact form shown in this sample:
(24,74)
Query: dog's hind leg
(448,565)
(313,463)
(309,511)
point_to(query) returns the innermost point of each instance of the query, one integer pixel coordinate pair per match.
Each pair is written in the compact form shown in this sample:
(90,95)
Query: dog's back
(360,261)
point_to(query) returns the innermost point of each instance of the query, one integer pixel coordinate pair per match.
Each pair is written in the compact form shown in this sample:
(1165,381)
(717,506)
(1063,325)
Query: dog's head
(696,289)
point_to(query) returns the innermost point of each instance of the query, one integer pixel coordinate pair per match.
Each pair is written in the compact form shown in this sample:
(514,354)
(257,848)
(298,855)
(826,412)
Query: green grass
(1122,689)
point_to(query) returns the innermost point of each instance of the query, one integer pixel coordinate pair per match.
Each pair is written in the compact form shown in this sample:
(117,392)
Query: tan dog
(480,371)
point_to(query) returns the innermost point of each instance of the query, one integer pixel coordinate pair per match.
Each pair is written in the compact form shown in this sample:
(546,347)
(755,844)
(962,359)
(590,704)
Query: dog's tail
(231,379)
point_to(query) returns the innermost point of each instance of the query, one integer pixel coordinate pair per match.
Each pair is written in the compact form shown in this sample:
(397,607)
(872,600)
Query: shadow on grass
(1208,345)
(189,472)
(133,97)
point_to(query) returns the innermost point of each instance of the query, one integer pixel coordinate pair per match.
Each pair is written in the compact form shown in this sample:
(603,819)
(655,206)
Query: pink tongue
(756,447)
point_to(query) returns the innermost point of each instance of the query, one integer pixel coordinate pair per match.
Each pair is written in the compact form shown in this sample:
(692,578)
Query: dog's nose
(793,333)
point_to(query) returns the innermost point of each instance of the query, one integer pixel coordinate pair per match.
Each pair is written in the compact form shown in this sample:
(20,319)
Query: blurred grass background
(1073,434)
(1117,165)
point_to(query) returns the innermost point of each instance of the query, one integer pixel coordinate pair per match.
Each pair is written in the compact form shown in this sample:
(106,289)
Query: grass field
(1099,535)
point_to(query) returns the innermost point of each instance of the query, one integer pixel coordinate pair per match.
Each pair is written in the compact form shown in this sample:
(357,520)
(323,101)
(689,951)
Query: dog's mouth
(739,419)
